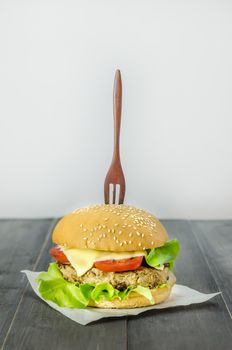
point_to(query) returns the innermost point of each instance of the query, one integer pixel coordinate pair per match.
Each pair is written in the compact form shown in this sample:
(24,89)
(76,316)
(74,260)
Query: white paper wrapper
(180,296)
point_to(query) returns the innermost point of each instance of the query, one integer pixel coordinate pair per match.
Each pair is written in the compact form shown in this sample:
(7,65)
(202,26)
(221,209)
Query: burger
(109,256)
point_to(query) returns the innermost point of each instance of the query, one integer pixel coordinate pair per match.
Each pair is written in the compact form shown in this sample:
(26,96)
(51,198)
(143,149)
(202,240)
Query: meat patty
(144,276)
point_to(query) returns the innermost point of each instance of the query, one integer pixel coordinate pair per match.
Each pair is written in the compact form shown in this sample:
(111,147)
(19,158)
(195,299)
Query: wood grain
(206,326)
(21,243)
(117,103)
(37,326)
(215,240)
(27,323)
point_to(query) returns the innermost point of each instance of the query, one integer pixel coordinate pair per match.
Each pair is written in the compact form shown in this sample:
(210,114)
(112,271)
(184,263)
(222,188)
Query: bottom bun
(136,300)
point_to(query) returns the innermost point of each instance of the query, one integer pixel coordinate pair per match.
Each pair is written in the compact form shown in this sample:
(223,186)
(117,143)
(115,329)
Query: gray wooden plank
(21,242)
(215,240)
(205,326)
(37,326)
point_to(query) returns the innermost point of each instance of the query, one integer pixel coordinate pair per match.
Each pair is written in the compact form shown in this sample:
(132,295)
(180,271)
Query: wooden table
(205,263)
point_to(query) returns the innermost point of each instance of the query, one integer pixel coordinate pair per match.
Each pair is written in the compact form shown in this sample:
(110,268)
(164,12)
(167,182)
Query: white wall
(57,63)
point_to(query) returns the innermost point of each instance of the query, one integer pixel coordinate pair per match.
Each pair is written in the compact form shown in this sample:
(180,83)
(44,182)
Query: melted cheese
(83,259)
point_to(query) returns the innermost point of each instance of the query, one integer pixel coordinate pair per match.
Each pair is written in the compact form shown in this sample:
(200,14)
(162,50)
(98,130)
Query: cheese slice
(83,259)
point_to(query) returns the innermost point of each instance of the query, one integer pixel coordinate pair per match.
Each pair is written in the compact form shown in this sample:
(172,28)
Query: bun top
(117,228)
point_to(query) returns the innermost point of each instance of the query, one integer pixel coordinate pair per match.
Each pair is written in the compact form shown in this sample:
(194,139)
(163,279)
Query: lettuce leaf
(162,255)
(146,292)
(53,287)
(103,291)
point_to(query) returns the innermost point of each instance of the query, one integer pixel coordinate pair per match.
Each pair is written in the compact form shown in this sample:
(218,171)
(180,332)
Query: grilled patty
(144,276)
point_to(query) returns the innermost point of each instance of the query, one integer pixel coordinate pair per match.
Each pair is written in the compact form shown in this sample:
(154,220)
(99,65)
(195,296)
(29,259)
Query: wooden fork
(115,174)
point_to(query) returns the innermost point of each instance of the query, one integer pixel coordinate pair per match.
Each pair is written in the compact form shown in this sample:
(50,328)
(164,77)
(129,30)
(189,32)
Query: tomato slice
(57,254)
(119,265)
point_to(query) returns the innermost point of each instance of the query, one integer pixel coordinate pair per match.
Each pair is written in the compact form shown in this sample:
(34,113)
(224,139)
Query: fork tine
(106,192)
(121,193)
(114,193)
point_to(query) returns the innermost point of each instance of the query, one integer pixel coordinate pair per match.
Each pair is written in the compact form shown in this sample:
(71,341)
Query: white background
(57,63)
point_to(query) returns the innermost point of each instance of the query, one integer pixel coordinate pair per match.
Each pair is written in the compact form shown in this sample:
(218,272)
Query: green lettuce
(166,254)
(146,292)
(52,286)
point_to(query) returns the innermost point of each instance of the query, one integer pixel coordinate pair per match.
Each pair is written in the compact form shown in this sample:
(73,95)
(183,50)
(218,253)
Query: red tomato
(119,265)
(58,255)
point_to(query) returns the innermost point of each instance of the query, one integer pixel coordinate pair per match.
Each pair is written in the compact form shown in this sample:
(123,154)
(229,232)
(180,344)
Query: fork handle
(117,102)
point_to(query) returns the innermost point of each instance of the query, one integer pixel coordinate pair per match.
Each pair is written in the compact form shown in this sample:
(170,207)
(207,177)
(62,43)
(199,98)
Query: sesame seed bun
(115,228)
(136,300)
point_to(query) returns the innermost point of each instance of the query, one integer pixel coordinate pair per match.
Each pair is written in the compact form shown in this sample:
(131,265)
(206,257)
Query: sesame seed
(120,232)
(81,225)
(115,224)
(120,244)
(124,242)
(142,234)
(109,230)
(130,234)
(114,238)
(113,230)
(129,225)
(152,242)
(144,248)
(129,242)
(137,232)
(85,238)
(106,219)
(84,229)
(139,244)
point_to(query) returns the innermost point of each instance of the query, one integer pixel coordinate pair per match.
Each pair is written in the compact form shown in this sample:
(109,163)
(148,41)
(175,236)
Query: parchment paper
(180,296)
